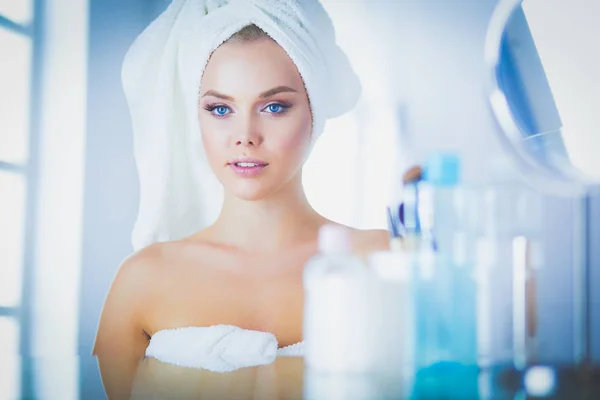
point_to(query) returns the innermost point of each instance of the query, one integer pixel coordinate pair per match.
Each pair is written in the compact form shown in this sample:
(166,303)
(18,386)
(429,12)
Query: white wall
(344,155)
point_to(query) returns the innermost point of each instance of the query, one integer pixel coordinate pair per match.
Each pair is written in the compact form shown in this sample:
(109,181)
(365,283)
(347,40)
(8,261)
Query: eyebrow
(263,95)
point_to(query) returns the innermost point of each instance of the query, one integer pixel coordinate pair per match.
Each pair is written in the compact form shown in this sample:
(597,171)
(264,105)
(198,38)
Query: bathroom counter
(287,378)
(77,377)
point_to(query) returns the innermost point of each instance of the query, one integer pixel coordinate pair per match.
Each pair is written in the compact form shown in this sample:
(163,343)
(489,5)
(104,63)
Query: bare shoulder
(131,290)
(365,241)
(370,240)
(140,269)
(126,319)
(146,271)
(136,285)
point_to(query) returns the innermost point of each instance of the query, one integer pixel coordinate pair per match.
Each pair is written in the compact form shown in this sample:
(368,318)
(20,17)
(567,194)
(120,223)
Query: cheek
(294,142)
(298,138)
(213,142)
(292,147)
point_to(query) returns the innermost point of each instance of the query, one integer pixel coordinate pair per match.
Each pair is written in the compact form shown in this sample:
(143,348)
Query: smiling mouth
(248,169)
(248,164)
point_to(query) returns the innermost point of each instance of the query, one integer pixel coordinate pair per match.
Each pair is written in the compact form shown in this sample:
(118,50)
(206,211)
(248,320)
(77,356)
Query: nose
(245,141)
(248,134)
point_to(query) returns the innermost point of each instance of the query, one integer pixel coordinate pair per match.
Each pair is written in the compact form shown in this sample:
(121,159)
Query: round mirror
(544,59)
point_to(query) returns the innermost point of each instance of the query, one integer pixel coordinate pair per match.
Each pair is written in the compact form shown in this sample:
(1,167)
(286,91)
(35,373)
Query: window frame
(22,313)
(9,24)
(9,167)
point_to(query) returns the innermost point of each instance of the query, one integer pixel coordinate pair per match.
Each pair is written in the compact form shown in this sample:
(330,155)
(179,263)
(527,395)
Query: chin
(253,189)
(250,191)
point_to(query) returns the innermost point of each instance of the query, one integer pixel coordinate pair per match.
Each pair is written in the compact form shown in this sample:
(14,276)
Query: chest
(264,294)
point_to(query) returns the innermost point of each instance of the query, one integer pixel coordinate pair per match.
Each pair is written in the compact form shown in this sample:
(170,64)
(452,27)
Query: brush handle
(392,225)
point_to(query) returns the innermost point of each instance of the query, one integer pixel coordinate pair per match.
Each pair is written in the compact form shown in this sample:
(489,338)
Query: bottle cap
(442,169)
(334,239)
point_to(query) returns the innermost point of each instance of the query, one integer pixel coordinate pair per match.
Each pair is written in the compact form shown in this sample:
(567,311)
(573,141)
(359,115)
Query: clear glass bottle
(506,231)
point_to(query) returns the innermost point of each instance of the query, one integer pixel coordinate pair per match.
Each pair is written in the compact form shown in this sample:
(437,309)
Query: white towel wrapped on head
(162,71)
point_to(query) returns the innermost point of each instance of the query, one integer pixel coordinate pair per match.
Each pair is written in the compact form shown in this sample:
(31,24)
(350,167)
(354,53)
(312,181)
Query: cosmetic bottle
(338,326)
(393,310)
(444,285)
(428,297)
(444,220)
(509,254)
(444,289)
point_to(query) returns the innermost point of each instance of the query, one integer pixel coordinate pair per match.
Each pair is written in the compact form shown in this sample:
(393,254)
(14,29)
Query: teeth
(246,164)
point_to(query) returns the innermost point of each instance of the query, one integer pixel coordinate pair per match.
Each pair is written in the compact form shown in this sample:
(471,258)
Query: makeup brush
(408,212)
(393,227)
(413,174)
(395,214)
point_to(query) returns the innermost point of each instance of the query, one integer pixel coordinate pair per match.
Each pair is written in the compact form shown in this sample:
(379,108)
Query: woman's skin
(282,379)
(245,269)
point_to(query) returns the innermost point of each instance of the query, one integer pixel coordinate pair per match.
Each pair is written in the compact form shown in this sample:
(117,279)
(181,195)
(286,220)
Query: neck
(283,219)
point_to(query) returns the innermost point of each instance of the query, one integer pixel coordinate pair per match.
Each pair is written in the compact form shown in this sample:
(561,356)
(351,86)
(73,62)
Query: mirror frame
(569,183)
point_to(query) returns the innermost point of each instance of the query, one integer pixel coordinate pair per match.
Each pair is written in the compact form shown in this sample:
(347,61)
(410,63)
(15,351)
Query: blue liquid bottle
(455,266)
(445,295)
(431,330)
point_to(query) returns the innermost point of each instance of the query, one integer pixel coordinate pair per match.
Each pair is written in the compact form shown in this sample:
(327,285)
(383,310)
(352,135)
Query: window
(16,71)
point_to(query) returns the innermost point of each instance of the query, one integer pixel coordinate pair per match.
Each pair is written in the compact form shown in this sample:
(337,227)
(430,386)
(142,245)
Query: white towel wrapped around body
(161,75)
(218,348)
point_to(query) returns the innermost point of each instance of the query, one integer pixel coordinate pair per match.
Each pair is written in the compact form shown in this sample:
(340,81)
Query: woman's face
(254,117)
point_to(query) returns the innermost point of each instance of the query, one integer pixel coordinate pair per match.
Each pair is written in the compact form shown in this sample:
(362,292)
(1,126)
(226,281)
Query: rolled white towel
(293,350)
(218,348)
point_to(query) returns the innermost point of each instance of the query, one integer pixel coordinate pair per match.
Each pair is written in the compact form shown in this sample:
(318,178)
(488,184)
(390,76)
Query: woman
(257,113)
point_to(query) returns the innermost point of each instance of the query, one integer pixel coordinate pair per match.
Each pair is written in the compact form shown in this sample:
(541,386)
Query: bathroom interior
(475,138)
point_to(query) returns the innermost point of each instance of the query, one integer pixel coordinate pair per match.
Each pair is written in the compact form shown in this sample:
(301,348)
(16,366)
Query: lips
(247,167)
(246,164)
(247,161)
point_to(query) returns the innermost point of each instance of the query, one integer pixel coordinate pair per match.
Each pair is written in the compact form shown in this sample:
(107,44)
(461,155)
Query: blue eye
(274,108)
(221,110)
(277,108)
